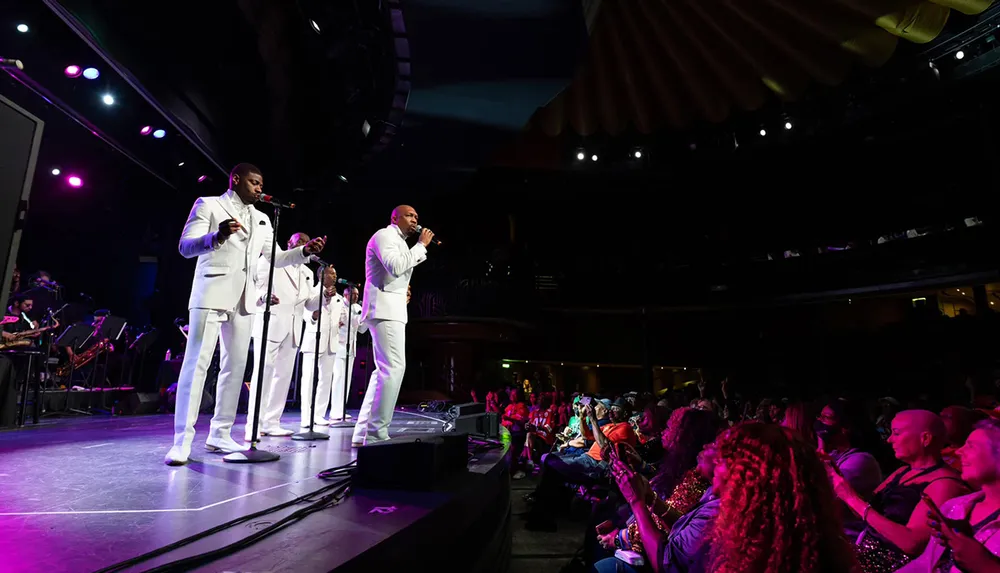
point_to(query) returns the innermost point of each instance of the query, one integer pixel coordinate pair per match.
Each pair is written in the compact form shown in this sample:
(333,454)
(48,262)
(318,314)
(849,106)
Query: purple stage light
(146,130)
(73,71)
(74,181)
(202,178)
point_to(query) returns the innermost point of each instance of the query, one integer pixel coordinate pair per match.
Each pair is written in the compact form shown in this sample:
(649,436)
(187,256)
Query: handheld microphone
(270,200)
(434,240)
(11,63)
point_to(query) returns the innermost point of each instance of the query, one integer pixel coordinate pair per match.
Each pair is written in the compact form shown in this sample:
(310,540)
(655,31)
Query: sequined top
(684,497)
(896,502)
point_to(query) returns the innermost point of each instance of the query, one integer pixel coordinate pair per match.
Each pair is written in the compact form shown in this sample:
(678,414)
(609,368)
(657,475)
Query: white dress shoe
(226,445)
(278,432)
(322,422)
(177,456)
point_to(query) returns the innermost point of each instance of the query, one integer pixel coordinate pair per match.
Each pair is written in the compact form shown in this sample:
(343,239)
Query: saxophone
(85,357)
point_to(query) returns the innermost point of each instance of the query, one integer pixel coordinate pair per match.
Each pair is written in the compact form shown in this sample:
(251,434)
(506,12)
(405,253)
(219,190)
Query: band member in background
(15,280)
(343,366)
(389,263)
(228,235)
(332,302)
(292,286)
(20,306)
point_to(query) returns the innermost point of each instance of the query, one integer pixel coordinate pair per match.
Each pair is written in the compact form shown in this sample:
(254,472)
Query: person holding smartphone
(966,530)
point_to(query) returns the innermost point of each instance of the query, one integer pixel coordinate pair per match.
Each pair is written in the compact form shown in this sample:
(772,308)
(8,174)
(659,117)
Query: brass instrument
(14,343)
(85,357)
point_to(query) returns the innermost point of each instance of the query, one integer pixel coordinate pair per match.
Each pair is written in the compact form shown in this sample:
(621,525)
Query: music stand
(74,337)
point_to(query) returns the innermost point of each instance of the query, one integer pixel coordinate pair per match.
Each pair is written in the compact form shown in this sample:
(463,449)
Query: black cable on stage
(188,563)
(345,470)
(338,487)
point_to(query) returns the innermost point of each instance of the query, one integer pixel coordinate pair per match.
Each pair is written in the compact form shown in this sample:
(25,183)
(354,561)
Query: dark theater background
(796,197)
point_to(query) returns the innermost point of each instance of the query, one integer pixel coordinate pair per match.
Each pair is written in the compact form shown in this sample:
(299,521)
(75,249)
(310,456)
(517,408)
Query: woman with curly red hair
(776,510)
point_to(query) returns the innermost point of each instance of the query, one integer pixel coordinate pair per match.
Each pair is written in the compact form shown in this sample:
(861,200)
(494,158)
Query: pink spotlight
(146,130)
(74,181)
(73,71)
(202,178)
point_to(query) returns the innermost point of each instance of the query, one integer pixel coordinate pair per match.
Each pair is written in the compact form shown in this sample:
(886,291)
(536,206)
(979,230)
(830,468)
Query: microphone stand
(311,434)
(253,455)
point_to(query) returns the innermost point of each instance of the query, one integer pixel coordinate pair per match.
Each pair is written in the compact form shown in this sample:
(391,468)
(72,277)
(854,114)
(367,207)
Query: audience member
(776,512)
(896,525)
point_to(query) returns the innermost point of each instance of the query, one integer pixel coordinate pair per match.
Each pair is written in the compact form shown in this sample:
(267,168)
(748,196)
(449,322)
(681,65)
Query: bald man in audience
(896,517)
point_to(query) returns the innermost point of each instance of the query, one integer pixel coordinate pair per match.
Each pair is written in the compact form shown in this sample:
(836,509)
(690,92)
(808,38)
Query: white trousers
(326,364)
(339,384)
(278,368)
(389,346)
(205,328)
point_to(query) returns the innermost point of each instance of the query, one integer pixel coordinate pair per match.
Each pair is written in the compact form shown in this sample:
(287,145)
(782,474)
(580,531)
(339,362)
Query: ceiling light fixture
(91,73)
(159,134)
(72,71)
(108,99)
(22,28)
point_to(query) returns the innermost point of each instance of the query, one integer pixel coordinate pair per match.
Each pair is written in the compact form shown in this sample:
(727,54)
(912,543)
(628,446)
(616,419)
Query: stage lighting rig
(366,73)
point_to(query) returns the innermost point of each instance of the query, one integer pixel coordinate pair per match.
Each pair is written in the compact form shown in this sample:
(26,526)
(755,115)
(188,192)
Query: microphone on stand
(271,200)
(8,63)
(433,240)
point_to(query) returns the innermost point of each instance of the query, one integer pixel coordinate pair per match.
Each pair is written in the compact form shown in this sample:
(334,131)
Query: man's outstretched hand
(315,246)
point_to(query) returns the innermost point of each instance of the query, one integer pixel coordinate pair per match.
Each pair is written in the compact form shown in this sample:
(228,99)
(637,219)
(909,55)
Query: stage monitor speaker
(414,463)
(486,425)
(143,403)
(21,137)
(468,409)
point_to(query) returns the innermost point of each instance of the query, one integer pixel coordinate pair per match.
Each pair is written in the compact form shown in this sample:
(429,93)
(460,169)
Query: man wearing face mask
(834,433)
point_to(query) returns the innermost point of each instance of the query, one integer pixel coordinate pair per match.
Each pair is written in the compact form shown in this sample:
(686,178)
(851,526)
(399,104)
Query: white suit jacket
(388,266)
(226,271)
(356,327)
(332,308)
(293,285)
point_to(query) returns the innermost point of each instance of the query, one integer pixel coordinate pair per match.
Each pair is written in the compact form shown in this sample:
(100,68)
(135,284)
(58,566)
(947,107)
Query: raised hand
(228,227)
(315,246)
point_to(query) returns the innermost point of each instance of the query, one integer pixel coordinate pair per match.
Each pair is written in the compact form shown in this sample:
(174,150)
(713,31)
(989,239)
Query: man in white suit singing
(343,367)
(227,234)
(293,285)
(389,263)
(327,350)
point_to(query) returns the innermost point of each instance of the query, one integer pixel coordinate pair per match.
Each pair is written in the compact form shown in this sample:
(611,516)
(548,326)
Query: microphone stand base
(341,424)
(310,436)
(251,456)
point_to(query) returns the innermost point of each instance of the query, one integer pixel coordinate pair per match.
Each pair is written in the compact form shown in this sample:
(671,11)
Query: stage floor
(82,494)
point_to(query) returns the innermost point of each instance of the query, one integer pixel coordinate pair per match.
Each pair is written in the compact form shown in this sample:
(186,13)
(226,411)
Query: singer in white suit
(227,234)
(343,367)
(293,285)
(332,302)
(389,263)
